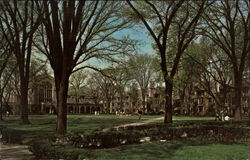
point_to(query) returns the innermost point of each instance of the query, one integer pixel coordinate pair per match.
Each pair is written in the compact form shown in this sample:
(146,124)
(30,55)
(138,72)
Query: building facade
(42,100)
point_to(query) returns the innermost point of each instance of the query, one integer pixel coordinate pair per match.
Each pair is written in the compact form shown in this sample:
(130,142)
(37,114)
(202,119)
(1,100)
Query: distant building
(198,102)
(42,100)
(83,105)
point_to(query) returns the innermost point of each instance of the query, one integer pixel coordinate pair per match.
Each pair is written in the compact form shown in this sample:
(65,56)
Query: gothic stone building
(42,100)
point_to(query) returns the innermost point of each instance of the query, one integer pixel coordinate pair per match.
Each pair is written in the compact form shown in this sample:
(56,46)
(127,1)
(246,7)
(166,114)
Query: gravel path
(15,152)
(135,124)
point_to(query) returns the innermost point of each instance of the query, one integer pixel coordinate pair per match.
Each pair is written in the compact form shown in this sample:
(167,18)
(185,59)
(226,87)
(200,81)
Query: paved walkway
(15,152)
(135,124)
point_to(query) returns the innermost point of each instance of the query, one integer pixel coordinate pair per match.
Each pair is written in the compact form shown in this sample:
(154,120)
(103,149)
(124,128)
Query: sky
(140,34)
(136,33)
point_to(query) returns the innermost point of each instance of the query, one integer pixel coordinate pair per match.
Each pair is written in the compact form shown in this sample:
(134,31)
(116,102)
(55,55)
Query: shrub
(112,138)
(11,135)
(46,149)
(56,146)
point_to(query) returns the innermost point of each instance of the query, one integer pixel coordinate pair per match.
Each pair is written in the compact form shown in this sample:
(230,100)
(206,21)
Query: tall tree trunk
(238,88)
(182,97)
(61,93)
(109,108)
(168,101)
(122,107)
(143,100)
(248,46)
(1,104)
(1,100)
(188,102)
(24,101)
(223,98)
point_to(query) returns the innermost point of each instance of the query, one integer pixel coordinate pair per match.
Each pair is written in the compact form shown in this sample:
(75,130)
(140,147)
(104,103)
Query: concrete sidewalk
(134,124)
(15,152)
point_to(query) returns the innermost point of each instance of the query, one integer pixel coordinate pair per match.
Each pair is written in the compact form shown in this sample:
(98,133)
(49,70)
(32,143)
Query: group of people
(122,113)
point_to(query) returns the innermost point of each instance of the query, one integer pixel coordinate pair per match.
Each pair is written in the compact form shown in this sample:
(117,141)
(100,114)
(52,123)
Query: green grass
(83,123)
(213,152)
(177,119)
(75,123)
(175,151)
(44,125)
(191,118)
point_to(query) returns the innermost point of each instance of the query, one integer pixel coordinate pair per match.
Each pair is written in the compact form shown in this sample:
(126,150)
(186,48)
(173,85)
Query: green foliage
(206,137)
(46,149)
(77,83)
(11,135)
(100,139)
(198,134)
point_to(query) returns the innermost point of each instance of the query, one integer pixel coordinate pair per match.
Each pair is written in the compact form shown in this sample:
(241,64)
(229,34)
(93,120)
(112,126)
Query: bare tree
(77,84)
(141,71)
(228,27)
(211,69)
(121,78)
(38,71)
(6,69)
(105,85)
(75,32)
(18,23)
(5,76)
(183,16)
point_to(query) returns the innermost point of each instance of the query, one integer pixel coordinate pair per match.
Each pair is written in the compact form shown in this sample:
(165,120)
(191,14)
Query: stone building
(83,105)
(124,104)
(42,100)
(154,103)
(198,102)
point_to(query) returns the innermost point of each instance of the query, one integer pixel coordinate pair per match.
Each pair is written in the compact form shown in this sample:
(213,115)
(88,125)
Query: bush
(99,139)
(71,146)
(46,149)
(11,135)
(133,134)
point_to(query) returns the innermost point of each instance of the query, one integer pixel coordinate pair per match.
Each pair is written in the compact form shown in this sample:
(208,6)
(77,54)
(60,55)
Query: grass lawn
(44,125)
(191,118)
(83,123)
(76,123)
(175,151)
